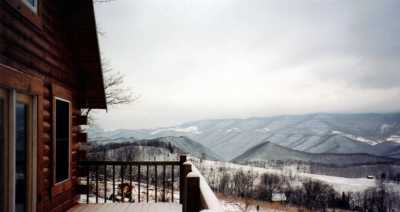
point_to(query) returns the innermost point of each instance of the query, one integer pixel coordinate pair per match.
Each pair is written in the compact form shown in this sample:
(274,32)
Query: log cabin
(50,69)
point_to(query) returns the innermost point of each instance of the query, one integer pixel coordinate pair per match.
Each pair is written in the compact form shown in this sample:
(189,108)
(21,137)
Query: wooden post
(82,120)
(192,197)
(187,168)
(182,177)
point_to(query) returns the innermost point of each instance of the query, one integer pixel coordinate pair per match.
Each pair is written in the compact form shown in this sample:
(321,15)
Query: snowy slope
(148,149)
(314,133)
(340,184)
(270,151)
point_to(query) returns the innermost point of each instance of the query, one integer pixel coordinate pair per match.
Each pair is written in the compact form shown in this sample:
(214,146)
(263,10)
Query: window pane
(20,159)
(2,149)
(31,2)
(62,140)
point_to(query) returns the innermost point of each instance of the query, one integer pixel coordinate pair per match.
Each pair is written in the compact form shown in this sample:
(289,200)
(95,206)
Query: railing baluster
(172,182)
(87,183)
(105,183)
(122,173)
(182,160)
(147,176)
(163,197)
(97,183)
(139,183)
(113,178)
(130,183)
(122,182)
(120,176)
(156,179)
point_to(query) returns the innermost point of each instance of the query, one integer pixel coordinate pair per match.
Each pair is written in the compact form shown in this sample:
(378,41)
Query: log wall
(42,50)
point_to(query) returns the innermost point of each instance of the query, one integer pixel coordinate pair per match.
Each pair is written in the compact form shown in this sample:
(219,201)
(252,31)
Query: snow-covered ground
(135,190)
(191,129)
(232,206)
(356,138)
(340,184)
(394,138)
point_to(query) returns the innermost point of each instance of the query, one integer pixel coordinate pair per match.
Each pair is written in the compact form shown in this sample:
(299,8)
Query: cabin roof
(81,29)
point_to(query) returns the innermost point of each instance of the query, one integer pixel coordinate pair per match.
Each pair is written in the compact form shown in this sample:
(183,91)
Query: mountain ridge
(267,151)
(372,133)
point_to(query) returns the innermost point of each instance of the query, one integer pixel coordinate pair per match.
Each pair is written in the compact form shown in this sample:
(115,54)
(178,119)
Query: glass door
(3,147)
(23,140)
(17,151)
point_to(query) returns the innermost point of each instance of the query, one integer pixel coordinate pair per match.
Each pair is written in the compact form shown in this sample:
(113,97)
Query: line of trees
(387,171)
(301,192)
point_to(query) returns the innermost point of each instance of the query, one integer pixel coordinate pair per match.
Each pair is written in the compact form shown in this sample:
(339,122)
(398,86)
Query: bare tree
(115,90)
(224,182)
(269,183)
(243,183)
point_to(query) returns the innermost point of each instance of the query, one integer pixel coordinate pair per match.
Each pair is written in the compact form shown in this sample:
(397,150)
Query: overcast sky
(207,59)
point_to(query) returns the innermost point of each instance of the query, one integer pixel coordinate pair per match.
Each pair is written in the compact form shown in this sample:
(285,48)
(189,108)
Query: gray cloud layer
(197,59)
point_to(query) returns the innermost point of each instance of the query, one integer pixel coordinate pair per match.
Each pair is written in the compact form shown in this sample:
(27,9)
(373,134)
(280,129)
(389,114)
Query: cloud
(232,58)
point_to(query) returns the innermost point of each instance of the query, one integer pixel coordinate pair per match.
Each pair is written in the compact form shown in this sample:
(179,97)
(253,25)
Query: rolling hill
(268,151)
(376,134)
(150,148)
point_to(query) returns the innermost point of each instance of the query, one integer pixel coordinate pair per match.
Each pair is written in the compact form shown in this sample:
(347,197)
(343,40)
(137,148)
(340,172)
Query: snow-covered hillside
(268,151)
(340,184)
(164,148)
(314,133)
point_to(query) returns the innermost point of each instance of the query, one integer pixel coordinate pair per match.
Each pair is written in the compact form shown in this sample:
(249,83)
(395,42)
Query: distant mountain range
(157,147)
(268,151)
(374,134)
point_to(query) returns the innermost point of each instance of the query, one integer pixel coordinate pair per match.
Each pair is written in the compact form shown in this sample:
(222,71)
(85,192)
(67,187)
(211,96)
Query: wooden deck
(128,207)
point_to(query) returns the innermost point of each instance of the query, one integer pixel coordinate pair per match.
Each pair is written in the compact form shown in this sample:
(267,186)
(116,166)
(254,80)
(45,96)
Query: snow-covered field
(340,184)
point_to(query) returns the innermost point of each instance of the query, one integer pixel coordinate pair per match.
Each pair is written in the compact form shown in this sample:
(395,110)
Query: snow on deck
(128,207)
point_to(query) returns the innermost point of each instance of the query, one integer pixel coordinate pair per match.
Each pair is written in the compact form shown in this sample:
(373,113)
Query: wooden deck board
(128,207)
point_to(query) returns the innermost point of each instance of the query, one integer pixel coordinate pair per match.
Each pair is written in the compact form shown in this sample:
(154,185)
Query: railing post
(193,193)
(187,168)
(87,183)
(182,177)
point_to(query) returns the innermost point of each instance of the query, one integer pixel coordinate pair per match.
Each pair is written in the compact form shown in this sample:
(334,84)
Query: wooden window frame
(32,14)
(59,92)
(29,101)
(56,98)
(5,97)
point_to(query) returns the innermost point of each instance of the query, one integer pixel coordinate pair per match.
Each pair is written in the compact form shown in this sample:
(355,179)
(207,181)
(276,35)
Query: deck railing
(158,181)
(114,181)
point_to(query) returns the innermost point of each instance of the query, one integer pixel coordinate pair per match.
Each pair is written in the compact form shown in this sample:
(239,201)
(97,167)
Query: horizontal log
(46,93)
(46,115)
(125,163)
(82,120)
(45,159)
(82,137)
(46,126)
(46,104)
(45,137)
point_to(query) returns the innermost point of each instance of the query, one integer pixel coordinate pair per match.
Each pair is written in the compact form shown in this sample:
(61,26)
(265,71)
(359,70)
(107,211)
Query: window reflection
(20,159)
(2,149)
(31,2)
(62,140)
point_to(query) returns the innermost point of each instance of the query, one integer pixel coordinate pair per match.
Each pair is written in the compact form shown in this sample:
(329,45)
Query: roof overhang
(81,30)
